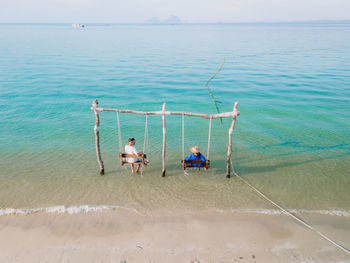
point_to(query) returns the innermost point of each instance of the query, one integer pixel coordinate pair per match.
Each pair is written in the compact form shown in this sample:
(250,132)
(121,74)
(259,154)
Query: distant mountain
(173,20)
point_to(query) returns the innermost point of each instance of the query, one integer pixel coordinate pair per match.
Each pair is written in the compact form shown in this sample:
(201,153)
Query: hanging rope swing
(126,157)
(194,163)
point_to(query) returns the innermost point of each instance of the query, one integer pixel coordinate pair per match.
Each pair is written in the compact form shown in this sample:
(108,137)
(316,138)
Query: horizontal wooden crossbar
(230,114)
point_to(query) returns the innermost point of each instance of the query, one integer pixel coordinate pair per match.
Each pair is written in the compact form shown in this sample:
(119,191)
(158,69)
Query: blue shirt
(199,157)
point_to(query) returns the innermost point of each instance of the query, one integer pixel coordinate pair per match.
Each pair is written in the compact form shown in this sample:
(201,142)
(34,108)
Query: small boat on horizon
(78,26)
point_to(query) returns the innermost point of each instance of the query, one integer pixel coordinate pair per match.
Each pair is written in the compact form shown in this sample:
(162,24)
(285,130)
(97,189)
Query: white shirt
(131,150)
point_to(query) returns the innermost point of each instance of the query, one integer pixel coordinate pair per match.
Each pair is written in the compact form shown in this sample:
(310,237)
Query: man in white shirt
(131,149)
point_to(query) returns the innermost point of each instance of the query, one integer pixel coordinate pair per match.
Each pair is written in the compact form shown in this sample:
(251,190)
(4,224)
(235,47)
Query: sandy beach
(128,236)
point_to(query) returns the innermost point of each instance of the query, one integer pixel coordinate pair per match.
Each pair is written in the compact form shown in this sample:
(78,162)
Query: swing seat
(123,159)
(190,163)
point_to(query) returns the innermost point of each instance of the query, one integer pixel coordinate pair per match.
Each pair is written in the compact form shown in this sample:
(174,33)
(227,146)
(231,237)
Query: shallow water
(291,141)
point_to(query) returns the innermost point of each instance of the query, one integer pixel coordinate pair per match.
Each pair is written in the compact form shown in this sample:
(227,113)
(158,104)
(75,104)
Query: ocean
(291,141)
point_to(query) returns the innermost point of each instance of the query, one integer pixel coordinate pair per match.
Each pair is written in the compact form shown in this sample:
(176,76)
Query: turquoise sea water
(292,82)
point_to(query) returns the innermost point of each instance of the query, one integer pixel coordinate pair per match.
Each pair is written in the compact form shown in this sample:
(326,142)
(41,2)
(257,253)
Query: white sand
(125,236)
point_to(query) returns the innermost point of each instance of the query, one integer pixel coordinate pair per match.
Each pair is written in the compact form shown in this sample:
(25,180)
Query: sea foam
(71,210)
(62,209)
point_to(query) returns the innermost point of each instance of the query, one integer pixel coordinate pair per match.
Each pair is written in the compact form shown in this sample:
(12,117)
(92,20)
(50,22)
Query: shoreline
(77,209)
(168,236)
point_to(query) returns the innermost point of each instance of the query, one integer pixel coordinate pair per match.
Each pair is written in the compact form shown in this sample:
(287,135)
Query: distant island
(172,20)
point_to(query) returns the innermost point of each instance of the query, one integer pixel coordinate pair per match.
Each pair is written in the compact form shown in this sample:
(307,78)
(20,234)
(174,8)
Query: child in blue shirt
(195,155)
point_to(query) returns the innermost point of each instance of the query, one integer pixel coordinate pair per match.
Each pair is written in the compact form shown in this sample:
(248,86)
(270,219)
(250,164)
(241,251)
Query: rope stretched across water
(254,188)
(291,215)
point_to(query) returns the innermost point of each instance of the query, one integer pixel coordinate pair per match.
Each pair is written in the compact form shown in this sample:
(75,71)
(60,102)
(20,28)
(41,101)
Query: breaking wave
(71,210)
(62,210)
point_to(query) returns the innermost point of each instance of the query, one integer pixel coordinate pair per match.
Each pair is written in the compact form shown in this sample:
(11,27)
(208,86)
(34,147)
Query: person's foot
(137,171)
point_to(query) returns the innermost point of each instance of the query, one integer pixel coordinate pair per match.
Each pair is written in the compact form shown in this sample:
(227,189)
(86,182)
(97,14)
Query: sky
(191,11)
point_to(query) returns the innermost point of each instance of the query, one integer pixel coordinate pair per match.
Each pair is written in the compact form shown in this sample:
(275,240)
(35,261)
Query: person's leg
(138,168)
(132,167)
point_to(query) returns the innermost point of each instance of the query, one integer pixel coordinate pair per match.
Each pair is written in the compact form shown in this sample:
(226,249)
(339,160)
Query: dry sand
(126,236)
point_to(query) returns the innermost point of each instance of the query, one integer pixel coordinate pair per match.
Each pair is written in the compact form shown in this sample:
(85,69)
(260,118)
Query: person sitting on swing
(195,155)
(131,149)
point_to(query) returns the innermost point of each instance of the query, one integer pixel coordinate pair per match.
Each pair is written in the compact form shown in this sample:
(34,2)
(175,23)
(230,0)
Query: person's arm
(202,158)
(136,152)
(189,158)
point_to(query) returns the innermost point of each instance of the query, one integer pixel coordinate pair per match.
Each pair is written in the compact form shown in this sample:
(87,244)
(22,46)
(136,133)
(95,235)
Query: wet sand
(176,236)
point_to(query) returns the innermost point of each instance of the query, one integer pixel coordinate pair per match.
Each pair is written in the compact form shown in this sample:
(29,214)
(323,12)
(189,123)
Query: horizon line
(181,23)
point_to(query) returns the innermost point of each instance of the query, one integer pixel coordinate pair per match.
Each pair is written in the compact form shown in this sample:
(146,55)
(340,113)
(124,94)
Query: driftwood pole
(97,137)
(164,141)
(230,131)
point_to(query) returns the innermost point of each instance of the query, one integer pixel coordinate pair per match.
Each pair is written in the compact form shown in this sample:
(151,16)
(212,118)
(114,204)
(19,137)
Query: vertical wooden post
(229,147)
(164,141)
(97,137)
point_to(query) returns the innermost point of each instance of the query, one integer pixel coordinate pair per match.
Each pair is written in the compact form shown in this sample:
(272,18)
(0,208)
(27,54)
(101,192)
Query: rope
(183,142)
(119,134)
(293,216)
(209,136)
(120,142)
(145,142)
(183,137)
(145,139)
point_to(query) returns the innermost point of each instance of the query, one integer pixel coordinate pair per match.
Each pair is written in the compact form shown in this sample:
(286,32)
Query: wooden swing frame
(164,113)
